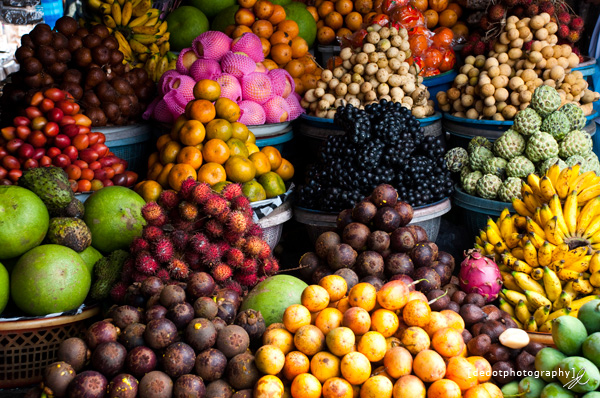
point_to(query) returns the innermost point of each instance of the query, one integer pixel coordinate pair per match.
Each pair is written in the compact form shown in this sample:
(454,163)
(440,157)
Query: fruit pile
(377,70)
(142,36)
(88,64)
(561,370)
(374,241)
(263,96)
(526,56)
(52,131)
(541,136)
(548,250)
(383,143)
(441,13)
(209,145)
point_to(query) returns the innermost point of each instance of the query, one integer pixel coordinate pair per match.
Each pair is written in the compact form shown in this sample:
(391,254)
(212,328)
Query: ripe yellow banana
(126,13)
(541,314)
(568,288)
(506,307)
(522,312)
(595,262)
(556,208)
(518,253)
(545,254)
(537,216)
(532,226)
(595,279)
(530,201)
(525,282)
(94,4)
(145,39)
(537,274)
(521,266)
(161,67)
(576,254)
(509,282)
(545,214)
(563,301)
(164,38)
(568,275)
(531,325)
(124,46)
(520,221)
(534,183)
(546,327)
(150,65)
(562,183)
(105,8)
(109,21)
(116,13)
(576,304)
(138,47)
(553,233)
(552,284)
(570,212)
(141,8)
(583,181)
(589,193)
(537,240)
(546,189)
(507,227)
(530,254)
(146,30)
(139,21)
(492,224)
(556,314)
(587,214)
(513,297)
(552,174)
(162,29)
(536,299)
(583,286)
(492,236)
(489,248)
(512,241)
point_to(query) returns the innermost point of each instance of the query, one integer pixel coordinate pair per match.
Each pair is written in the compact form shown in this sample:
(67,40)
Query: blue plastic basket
(441,82)
(130,143)
(277,141)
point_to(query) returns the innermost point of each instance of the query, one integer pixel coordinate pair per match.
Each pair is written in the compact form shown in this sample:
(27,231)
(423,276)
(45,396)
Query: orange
(290,27)
(285,170)
(239,131)
(212,173)
(227,109)
(161,142)
(219,128)
(153,158)
(432,58)
(190,155)
(262,29)
(353,21)
(272,183)
(309,64)
(460,30)
(252,148)
(431,18)
(239,30)
(456,8)
(343,32)
(176,126)
(305,385)
(363,6)
(263,9)
(251,138)
(229,30)
(443,37)
(261,163)
(278,14)
(420,5)
(150,190)
(344,7)
(192,133)
(281,53)
(254,191)
(336,387)
(169,152)
(240,169)
(207,89)
(295,68)
(200,110)
(418,44)
(237,148)
(273,155)
(438,5)
(247,3)
(309,81)
(270,64)
(244,16)
(266,47)
(325,8)
(279,37)
(313,11)
(179,173)
(299,47)
(325,35)
(153,172)
(334,20)
(216,151)
(448,18)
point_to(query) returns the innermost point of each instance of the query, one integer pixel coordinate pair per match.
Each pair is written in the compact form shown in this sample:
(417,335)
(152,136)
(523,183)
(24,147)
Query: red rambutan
(187,188)
(255,230)
(527,45)
(212,255)
(188,211)
(184,225)
(163,274)
(546,6)
(168,199)
(273,266)
(194,260)
(215,205)
(532,10)
(152,211)
(214,228)
(163,249)
(233,285)
(237,222)
(178,269)
(253,246)
(510,3)
(201,193)
(265,251)
(479,48)
(496,12)
(117,292)
(574,36)
(242,204)
(198,243)
(467,49)
(232,191)
(222,217)
(234,257)
(577,24)
(139,244)
(248,280)
(249,266)
(232,239)
(128,269)
(180,239)
(563,31)
(518,11)
(138,277)
(564,18)
(221,272)
(145,263)
(526,3)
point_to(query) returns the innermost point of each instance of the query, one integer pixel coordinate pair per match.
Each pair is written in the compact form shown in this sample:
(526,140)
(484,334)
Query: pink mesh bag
(295,108)
(230,87)
(205,69)
(179,64)
(238,65)
(211,45)
(256,87)
(185,85)
(252,113)
(176,103)
(162,113)
(149,112)
(277,110)
(249,44)
(279,81)
(166,80)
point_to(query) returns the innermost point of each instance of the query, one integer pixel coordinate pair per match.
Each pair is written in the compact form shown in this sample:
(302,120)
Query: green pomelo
(49,279)
(114,216)
(90,256)
(4,288)
(24,221)
(589,315)
(306,23)
(210,8)
(578,374)
(185,24)
(273,295)
(225,18)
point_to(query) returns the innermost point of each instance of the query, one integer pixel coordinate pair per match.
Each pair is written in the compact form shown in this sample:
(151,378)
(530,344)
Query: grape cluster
(383,143)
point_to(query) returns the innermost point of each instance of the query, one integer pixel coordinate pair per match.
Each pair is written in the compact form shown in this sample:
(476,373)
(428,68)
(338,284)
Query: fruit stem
(438,297)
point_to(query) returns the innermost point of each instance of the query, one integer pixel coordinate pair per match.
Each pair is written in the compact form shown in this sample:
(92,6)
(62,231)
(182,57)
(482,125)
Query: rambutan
(527,45)
(145,263)
(564,18)
(128,269)
(479,48)
(117,292)
(201,193)
(163,249)
(234,257)
(222,217)
(232,238)
(510,3)
(223,246)
(467,49)
(188,211)
(232,191)
(577,24)
(496,12)
(152,211)
(221,272)
(214,228)
(518,11)
(215,205)
(163,274)
(237,222)
(242,204)
(198,243)
(138,244)
(212,255)
(255,230)
(248,280)
(249,266)
(547,7)
(563,31)
(574,36)
(138,277)
(183,225)
(265,251)
(168,199)
(178,269)
(526,3)
(233,285)
(273,266)
(194,260)
(187,187)
(253,246)
(180,239)
(532,10)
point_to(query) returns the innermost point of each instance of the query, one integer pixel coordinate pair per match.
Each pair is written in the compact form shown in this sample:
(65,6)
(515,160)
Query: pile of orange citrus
(442,13)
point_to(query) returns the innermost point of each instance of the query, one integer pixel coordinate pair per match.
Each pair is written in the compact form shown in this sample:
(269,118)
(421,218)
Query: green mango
(591,348)
(510,389)
(546,360)
(578,374)
(589,315)
(568,334)
(593,394)
(555,390)
(530,387)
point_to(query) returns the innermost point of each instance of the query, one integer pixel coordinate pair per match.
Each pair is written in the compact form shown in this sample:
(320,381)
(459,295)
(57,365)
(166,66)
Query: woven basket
(272,224)
(28,347)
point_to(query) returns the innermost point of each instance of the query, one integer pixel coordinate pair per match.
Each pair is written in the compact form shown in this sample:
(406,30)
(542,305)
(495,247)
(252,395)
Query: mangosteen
(178,359)
(472,314)
(308,264)
(123,386)
(419,233)
(171,295)
(241,371)
(57,377)
(133,295)
(132,336)
(443,271)
(405,211)
(363,212)
(423,254)
(378,241)
(87,384)
(402,240)
(373,280)
(154,301)
(320,273)
(341,256)
(205,307)
(356,234)
(155,312)
(75,352)
(66,25)
(219,324)
(229,295)
(201,284)
(200,334)
(349,276)
(140,361)
(156,384)
(109,358)
(398,263)
(446,258)
(210,364)
(386,219)
(100,332)
(125,315)
(384,195)
(370,263)
(406,279)
(219,389)
(151,285)
(344,218)
(438,300)
(475,298)
(226,310)
(189,386)
(243,394)
(232,340)
(160,333)
(181,314)
(430,279)
(459,297)
(253,323)
(326,241)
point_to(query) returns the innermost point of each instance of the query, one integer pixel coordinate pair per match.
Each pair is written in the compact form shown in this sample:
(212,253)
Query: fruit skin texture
(520,167)
(545,100)
(306,23)
(575,143)
(575,115)
(24,221)
(51,184)
(479,274)
(487,186)
(469,182)
(510,188)
(478,157)
(589,315)
(528,122)
(578,366)
(49,279)
(4,287)
(557,124)
(456,159)
(114,216)
(90,256)
(541,146)
(182,34)
(568,334)
(509,145)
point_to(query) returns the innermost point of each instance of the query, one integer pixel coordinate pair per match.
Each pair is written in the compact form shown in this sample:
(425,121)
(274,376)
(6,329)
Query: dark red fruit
(405,211)
(156,384)
(132,336)
(200,334)
(210,365)
(232,340)
(387,219)
(384,195)
(57,377)
(424,254)
(241,371)
(344,218)
(109,358)
(398,263)
(370,263)
(88,384)
(349,276)
(205,307)
(356,235)
(151,286)
(171,295)
(189,386)
(402,240)
(363,212)
(160,333)
(201,284)
(75,352)
(378,241)
(140,361)
(326,241)
(100,332)
(125,315)
(178,359)
(181,314)
(122,386)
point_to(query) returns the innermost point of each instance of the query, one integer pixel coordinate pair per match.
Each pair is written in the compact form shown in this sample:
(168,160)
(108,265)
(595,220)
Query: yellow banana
(512,240)
(595,262)
(109,21)
(537,240)
(583,181)
(576,304)
(537,216)
(162,29)
(557,265)
(536,299)
(570,212)
(513,297)
(595,279)
(580,265)
(478,241)
(530,201)
(499,247)
(483,235)
(521,207)
(576,169)
(147,30)
(525,282)
(553,173)
(553,233)
(105,8)
(145,39)
(95,4)
(546,327)
(509,282)
(562,183)
(587,214)
(537,274)
(139,21)
(582,286)
(518,322)
(164,38)
(116,13)
(521,266)
(150,65)
(126,13)
(589,193)
(506,307)
(568,275)
(545,214)
(141,8)
(124,46)
(556,208)
(135,2)
(153,48)
(559,252)
(552,284)
(152,21)
(520,221)
(492,236)
(563,301)
(522,312)
(489,248)
(576,254)
(110,2)
(518,253)
(541,314)
(556,314)
(546,189)
(492,224)
(154,13)
(531,255)
(568,288)
(138,47)
(141,58)
(534,183)
(531,325)
(545,254)
(121,2)
(172,64)
(161,67)
(532,226)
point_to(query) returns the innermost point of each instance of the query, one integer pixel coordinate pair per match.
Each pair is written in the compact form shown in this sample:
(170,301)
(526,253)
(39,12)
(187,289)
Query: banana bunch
(143,37)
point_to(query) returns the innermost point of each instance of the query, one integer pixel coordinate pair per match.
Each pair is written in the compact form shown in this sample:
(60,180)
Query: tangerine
(420,5)
(192,132)
(325,8)
(278,14)
(308,81)
(179,173)
(299,47)
(273,155)
(263,9)
(254,191)
(262,29)
(456,8)
(227,109)
(432,58)
(448,60)
(190,155)
(285,170)
(237,148)
(447,342)
(334,20)
(325,35)
(335,286)
(247,3)
(239,31)
(153,158)
(280,37)
(443,37)
(363,6)
(340,341)
(272,183)
(229,30)
(438,5)
(373,346)
(161,142)
(295,68)
(216,151)
(448,18)
(244,16)
(269,359)
(207,89)
(212,173)
(281,54)
(295,363)
(460,30)
(343,33)
(266,47)
(239,131)
(363,295)
(385,322)
(240,169)
(200,110)
(150,190)
(261,163)
(418,44)
(251,138)
(290,27)
(252,148)
(431,18)
(344,7)
(295,316)
(299,87)
(169,152)
(324,366)
(153,172)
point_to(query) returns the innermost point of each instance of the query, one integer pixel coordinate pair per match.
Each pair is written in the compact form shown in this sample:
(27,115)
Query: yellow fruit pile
(549,251)
(344,344)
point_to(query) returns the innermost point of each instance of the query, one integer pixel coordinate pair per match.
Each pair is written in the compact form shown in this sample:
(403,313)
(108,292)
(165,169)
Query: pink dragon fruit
(205,69)
(211,45)
(480,274)
(230,87)
(277,110)
(282,81)
(256,87)
(185,60)
(166,80)
(237,65)
(249,44)
(295,108)
(252,113)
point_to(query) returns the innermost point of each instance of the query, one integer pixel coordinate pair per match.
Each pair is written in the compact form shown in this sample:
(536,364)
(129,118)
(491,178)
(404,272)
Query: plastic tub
(267,130)
(441,82)
(278,141)
(130,143)
(587,67)
(324,53)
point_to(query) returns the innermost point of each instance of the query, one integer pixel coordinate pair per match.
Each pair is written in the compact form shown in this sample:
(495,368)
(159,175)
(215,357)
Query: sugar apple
(575,115)
(510,189)
(464,171)
(591,164)
(509,145)
(477,142)
(456,159)
(557,124)
(495,166)
(487,187)
(546,164)
(478,157)
(545,100)
(576,142)
(469,182)
(573,160)
(541,146)
(520,167)
(527,122)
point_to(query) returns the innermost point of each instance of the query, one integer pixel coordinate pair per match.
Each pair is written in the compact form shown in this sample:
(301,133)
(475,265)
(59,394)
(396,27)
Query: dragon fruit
(480,274)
